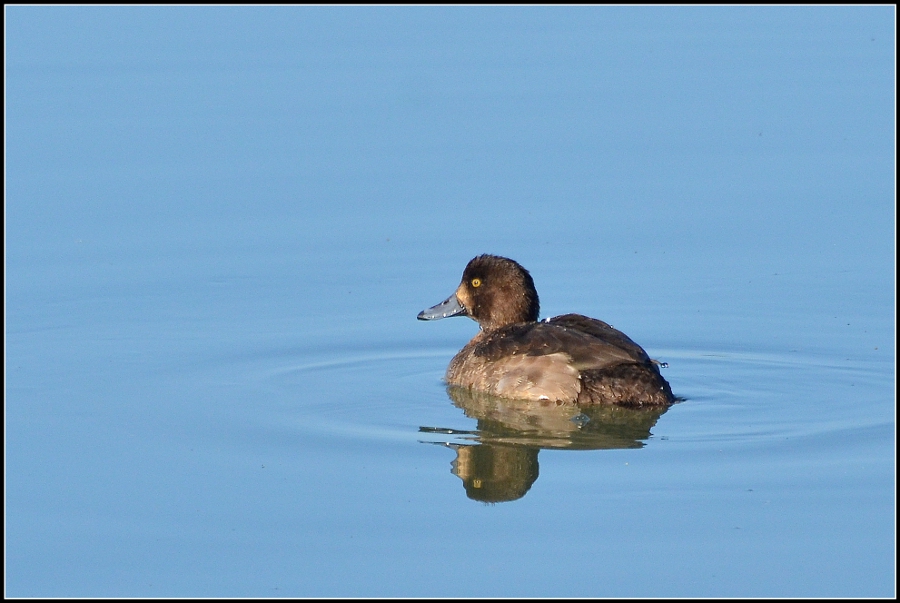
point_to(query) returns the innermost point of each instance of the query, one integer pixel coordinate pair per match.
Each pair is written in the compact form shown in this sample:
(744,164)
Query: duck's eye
(476,282)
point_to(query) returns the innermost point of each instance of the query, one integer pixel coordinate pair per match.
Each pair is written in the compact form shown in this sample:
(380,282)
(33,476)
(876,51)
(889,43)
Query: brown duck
(568,359)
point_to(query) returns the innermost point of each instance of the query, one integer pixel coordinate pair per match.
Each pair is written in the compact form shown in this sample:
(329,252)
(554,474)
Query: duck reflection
(502,463)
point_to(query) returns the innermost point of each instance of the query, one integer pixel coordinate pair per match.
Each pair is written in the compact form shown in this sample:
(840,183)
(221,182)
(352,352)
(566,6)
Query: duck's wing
(595,347)
(602,331)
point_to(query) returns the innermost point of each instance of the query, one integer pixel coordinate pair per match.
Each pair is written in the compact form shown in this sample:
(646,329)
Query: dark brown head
(495,291)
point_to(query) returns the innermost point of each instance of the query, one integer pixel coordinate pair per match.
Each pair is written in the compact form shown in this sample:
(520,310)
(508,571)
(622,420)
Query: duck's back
(569,359)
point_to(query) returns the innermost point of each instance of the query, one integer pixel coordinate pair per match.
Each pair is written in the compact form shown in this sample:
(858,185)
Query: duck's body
(567,359)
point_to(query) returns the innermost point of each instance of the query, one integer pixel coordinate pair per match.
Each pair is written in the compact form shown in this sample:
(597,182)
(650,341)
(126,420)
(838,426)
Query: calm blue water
(222,222)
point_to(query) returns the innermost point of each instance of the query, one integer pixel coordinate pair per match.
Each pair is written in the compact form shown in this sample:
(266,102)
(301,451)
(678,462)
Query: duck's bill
(447,308)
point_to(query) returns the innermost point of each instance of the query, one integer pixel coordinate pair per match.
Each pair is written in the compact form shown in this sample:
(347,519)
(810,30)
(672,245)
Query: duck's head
(495,291)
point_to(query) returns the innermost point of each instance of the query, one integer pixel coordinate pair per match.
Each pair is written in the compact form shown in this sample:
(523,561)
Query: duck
(567,359)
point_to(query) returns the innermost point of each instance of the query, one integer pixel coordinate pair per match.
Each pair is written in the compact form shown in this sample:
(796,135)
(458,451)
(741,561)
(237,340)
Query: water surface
(222,222)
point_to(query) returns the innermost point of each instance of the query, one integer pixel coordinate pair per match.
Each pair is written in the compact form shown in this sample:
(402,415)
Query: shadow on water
(501,462)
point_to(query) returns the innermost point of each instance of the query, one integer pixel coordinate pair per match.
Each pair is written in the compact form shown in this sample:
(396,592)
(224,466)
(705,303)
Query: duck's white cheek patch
(462,294)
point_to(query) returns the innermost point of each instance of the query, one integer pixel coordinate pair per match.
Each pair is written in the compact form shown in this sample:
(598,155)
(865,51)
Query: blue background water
(221,223)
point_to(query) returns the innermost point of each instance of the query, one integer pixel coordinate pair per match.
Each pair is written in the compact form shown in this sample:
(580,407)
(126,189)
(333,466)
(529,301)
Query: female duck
(566,359)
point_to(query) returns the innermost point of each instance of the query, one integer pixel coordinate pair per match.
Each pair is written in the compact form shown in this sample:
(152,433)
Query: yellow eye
(476,282)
